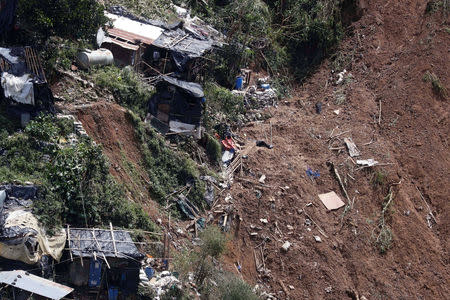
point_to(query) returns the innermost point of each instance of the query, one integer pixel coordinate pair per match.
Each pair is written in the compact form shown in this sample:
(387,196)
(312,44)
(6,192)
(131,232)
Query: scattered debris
(286,246)
(262,179)
(336,112)
(329,289)
(265,221)
(353,151)
(263,144)
(311,174)
(367,162)
(318,239)
(341,77)
(331,201)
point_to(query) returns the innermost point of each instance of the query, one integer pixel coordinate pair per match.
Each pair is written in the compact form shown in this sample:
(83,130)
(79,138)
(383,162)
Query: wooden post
(68,239)
(99,248)
(113,239)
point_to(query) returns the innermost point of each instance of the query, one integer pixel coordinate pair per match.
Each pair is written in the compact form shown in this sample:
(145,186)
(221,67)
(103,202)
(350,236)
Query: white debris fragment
(341,77)
(264,221)
(336,111)
(317,238)
(290,227)
(367,162)
(286,246)
(262,179)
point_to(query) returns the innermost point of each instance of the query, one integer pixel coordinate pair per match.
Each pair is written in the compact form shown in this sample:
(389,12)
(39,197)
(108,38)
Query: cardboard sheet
(331,200)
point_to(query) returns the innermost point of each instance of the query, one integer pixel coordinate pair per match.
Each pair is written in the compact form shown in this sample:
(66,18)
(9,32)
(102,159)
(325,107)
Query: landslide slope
(388,52)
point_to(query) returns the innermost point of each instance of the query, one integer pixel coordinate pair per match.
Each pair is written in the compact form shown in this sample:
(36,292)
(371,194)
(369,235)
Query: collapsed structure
(176,105)
(158,48)
(23,86)
(23,241)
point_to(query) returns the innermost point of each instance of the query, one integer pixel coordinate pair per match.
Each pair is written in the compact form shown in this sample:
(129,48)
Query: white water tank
(89,58)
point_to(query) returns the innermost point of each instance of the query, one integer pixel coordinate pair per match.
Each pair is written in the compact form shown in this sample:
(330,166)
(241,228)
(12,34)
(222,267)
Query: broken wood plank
(352,150)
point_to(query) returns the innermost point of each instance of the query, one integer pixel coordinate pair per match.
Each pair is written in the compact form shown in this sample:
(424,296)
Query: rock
(291,287)
(317,238)
(329,289)
(290,227)
(337,111)
(286,246)
(159,221)
(264,221)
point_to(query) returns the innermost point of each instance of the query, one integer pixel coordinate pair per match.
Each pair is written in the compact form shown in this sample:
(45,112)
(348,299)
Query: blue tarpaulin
(95,273)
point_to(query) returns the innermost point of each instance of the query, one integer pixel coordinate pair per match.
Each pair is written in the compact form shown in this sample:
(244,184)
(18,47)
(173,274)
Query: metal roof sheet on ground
(84,242)
(131,30)
(35,284)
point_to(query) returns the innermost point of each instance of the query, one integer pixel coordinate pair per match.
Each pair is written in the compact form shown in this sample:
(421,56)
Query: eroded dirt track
(391,48)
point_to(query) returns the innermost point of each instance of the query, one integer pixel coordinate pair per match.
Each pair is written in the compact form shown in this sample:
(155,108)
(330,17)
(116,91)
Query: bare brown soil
(391,48)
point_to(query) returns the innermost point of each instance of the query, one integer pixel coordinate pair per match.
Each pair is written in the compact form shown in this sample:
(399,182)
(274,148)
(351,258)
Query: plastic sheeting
(84,242)
(21,236)
(20,89)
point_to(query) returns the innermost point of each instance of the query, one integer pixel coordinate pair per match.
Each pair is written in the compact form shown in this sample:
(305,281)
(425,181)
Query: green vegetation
(202,263)
(222,106)
(149,9)
(168,170)
(76,186)
(126,86)
(213,148)
(382,234)
(65,18)
(379,178)
(436,83)
(234,288)
(435,5)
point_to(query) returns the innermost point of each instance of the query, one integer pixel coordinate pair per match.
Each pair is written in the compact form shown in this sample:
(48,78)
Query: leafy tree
(65,18)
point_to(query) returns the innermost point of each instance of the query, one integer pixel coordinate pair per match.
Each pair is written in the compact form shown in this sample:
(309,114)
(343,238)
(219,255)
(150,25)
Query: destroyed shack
(157,48)
(177,105)
(103,262)
(23,86)
(24,243)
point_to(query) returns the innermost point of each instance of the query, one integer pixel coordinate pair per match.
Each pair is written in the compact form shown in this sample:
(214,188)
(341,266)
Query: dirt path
(392,47)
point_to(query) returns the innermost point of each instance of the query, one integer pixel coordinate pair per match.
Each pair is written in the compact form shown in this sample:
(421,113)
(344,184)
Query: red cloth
(228,144)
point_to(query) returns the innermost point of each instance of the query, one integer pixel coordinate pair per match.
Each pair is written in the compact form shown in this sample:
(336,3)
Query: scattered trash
(227,156)
(264,221)
(290,227)
(331,200)
(367,162)
(318,239)
(262,179)
(286,246)
(263,144)
(318,107)
(311,174)
(407,212)
(328,289)
(353,151)
(341,77)
(258,194)
(336,112)
(291,287)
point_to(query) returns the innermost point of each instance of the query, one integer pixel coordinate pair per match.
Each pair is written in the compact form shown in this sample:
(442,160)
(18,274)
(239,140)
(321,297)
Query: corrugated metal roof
(121,44)
(35,284)
(131,30)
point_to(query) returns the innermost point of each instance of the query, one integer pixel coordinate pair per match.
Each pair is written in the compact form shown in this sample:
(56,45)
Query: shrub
(213,148)
(126,86)
(233,288)
(214,242)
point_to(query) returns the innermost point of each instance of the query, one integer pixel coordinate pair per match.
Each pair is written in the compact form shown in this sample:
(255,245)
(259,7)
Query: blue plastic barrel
(239,82)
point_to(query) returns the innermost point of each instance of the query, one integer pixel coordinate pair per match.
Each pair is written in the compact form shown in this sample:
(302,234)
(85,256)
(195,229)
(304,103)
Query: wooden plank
(68,239)
(113,239)
(99,248)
